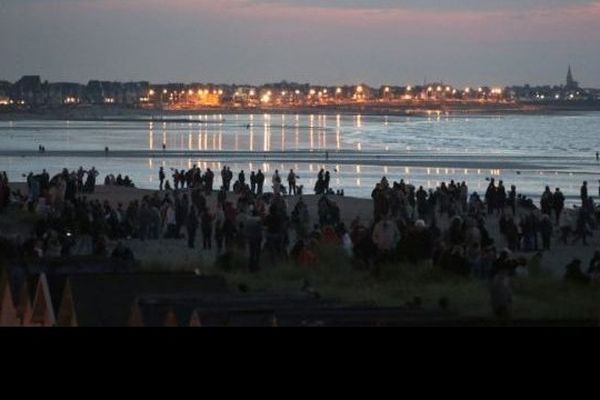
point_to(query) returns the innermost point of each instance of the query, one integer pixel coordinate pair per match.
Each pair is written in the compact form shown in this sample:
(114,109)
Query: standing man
(253,182)
(584,194)
(161,178)
(260,181)
(292,182)
(558,203)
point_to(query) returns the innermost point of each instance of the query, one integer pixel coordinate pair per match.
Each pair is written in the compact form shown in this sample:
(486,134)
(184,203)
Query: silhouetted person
(192,226)
(584,194)
(161,177)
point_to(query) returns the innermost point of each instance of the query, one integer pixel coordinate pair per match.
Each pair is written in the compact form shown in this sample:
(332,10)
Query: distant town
(32,93)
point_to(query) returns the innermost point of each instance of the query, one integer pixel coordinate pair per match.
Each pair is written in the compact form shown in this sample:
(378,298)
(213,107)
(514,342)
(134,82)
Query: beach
(174,253)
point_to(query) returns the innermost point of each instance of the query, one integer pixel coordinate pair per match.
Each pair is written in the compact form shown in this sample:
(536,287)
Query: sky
(462,42)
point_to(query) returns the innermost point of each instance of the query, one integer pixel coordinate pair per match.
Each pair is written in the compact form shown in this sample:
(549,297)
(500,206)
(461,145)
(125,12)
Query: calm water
(529,151)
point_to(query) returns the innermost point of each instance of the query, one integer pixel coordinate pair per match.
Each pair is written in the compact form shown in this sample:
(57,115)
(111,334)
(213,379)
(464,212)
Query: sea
(528,151)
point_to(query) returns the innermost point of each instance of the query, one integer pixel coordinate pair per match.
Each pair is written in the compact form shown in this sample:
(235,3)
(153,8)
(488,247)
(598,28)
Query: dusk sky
(464,42)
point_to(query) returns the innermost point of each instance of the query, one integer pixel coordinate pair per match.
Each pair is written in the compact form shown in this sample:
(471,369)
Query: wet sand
(349,157)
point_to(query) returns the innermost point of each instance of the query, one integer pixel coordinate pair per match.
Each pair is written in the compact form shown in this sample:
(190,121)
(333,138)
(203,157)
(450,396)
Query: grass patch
(537,298)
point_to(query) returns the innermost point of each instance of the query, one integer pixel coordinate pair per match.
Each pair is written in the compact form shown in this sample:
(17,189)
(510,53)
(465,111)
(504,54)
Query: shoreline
(343,157)
(134,114)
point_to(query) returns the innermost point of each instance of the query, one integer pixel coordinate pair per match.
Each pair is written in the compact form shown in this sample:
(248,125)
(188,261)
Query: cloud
(433,5)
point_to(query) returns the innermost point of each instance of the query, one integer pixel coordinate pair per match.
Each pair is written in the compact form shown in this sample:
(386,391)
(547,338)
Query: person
(164,146)
(546,231)
(584,194)
(106,150)
(207,229)
(192,226)
(292,183)
(597,156)
(254,233)
(260,181)
(501,293)
(122,252)
(546,201)
(276,180)
(253,182)
(385,237)
(594,264)
(558,201)
(161,178)
(582,226)
(574,273)
(512,200)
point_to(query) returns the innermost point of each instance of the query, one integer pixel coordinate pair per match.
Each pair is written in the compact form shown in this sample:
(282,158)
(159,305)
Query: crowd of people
(110,180)
(444,228)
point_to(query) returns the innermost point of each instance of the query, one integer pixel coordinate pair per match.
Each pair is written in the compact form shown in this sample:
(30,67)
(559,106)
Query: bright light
(164,91)
(325,91)
(448,88)
(283,93)
(496,91)
(220,91)
(408,88)
(297,92)
(468,90)
(430,89)
(387,89)
(439,89)
(338,90)
(312,92)
(557,96)
(151,92)
(190,92)
(359,89)
(266,98)
(480,90)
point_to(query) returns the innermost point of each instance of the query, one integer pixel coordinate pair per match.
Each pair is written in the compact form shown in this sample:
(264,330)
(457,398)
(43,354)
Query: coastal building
(28,91)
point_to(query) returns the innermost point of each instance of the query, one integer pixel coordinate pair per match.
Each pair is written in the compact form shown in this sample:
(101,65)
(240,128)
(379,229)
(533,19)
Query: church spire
(571,83)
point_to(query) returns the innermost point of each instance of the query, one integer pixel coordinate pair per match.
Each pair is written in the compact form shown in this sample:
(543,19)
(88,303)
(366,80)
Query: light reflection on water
(519,137)
(356,180)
